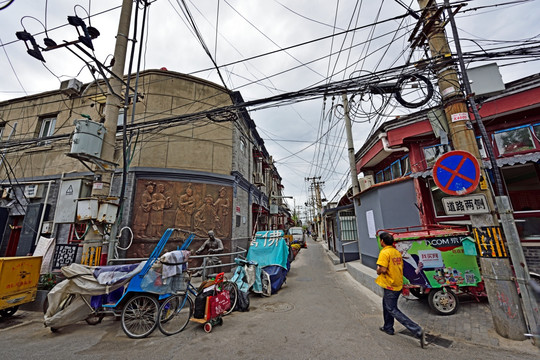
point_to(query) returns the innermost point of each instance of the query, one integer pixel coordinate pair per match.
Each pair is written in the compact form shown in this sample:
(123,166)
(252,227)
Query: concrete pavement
(472,323)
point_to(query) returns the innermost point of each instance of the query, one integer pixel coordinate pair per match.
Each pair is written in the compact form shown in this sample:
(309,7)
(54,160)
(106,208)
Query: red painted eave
(511,102)
(396,138)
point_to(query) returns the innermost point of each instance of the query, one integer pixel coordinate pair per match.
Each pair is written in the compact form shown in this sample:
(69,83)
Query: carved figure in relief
(206,216)
(160,203)
(143,214)
(222,209)
(185,209)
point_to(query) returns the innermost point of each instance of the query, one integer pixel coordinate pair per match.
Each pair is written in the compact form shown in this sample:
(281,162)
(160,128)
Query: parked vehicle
(19,278)
(439,262)
(298,236)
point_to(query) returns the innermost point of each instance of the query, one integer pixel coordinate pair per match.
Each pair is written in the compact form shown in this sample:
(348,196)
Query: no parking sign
(457,173)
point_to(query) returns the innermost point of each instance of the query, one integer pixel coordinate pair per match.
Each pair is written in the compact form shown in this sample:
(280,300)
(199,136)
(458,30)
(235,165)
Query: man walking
(390,271)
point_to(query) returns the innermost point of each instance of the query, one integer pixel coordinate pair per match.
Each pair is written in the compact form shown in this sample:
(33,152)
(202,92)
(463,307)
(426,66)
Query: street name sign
(465,205)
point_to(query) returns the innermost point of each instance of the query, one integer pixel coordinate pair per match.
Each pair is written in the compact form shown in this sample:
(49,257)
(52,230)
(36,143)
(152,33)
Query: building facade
(189,166)
(398,189)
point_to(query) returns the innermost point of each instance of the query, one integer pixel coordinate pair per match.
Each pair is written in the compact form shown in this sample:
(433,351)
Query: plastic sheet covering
(80,280)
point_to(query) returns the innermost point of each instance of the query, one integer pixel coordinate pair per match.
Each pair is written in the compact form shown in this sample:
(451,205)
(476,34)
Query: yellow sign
(490,242)
(483,183)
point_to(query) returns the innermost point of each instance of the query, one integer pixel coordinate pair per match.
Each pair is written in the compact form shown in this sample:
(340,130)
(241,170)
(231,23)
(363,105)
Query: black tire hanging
(412,105)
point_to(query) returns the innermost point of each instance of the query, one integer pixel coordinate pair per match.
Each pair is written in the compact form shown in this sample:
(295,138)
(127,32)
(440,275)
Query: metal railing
(342,257)
(240,252)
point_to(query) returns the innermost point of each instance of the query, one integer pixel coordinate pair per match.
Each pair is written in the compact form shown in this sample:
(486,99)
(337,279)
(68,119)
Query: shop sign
(465,205)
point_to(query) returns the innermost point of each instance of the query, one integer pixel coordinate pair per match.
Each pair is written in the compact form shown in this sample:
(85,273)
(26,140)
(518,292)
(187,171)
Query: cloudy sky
(265,48)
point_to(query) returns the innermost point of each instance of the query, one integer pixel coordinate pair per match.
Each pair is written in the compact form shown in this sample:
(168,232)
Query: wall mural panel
(194,207)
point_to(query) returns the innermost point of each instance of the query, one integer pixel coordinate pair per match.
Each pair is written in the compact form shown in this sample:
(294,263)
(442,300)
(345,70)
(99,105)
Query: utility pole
(101,188)
(497,272)
(350,150)
(503,202)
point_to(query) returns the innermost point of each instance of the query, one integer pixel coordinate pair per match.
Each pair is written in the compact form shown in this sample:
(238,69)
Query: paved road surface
(320,313)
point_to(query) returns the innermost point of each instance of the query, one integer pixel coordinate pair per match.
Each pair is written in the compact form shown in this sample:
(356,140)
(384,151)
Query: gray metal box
(68,194)
(87,138)
(486,79)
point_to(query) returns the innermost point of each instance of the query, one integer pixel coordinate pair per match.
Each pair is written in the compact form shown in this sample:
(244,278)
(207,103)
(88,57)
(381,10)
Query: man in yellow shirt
(390,271)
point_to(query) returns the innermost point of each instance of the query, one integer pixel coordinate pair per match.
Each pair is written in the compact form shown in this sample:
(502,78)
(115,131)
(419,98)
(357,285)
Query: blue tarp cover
(269,248)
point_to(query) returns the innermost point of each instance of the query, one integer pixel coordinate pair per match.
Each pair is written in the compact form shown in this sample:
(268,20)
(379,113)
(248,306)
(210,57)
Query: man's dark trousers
(391,312)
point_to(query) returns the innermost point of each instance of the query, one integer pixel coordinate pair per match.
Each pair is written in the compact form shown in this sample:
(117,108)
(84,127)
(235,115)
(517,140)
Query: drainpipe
(386,145)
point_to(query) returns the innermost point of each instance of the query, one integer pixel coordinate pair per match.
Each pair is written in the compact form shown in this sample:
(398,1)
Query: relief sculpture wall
(193,207)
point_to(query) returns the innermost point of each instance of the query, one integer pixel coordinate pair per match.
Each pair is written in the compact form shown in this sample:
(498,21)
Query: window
(395,169)
(405,165)
(242,146)
(436,196)
(514,140)
(432,153)
(120,121)
(379,177)
(536,131)
(46,127)
(347,222)
(387,174)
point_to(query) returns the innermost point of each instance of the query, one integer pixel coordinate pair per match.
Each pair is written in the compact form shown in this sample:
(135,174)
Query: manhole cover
(431,339)
(278,307)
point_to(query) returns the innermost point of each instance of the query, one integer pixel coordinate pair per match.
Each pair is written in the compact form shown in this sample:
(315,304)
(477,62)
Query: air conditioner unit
(33,191)
(71,87)
(366,182)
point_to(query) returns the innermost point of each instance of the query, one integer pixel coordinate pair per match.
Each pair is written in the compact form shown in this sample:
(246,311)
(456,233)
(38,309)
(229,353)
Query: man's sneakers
(391,332)
(422,338)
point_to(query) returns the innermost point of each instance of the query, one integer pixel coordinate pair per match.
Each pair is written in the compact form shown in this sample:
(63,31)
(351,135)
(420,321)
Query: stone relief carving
(194,207)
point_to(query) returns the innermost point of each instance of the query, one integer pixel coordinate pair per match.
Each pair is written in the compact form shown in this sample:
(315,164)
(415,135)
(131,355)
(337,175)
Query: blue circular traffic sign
(457,173)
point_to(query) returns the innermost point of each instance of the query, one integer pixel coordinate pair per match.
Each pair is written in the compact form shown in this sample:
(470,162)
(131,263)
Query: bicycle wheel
(140,316)
(174,314)
(233,293)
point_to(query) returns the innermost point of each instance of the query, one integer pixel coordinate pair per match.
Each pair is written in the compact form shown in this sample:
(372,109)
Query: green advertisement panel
(437,261)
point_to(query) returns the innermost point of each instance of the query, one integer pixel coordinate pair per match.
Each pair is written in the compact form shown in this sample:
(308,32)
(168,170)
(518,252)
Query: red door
(14,236)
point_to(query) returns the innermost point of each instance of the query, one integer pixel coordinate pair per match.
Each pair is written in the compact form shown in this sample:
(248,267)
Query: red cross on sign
(456,173)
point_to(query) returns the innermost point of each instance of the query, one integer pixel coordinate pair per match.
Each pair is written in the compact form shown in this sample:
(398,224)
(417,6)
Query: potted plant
(47,281)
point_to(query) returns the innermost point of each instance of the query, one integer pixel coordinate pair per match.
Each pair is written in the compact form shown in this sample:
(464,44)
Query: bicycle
(175,312)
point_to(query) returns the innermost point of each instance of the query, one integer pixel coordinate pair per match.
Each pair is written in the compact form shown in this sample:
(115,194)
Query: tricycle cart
(19,277)
(215,301)
(132,292)
(438,264)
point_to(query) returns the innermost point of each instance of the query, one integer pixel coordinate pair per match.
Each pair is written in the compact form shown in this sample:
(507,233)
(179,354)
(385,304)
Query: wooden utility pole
(497,271)
(101,188)
(350,150)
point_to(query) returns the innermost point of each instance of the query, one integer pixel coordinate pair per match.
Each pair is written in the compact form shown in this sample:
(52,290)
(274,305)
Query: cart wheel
(174,314)
(443,301)
(140,316)
(417,293)
(207,327)
(220,321)
(233,293)
(94,319)
(9,311)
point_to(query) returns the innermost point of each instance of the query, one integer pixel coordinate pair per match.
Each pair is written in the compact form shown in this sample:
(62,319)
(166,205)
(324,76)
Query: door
(14,235)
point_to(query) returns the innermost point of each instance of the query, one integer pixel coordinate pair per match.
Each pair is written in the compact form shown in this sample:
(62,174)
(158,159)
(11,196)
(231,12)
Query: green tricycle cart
(440,263)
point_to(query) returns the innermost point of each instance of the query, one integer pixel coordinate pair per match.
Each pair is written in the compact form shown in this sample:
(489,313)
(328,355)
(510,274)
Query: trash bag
(242,304)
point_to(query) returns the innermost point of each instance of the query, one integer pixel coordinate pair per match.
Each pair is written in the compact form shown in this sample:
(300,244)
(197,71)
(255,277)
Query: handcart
(438,264)
(134,292)
(215,301)
(19,278)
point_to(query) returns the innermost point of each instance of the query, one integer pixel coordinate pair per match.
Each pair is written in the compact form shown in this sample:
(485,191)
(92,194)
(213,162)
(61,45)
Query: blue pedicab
(144,295)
